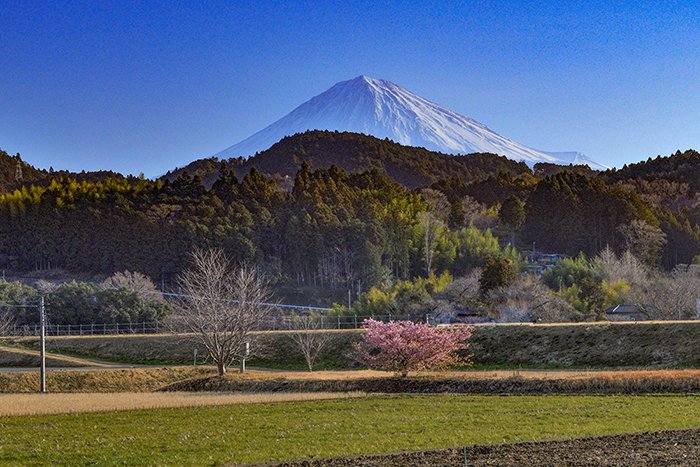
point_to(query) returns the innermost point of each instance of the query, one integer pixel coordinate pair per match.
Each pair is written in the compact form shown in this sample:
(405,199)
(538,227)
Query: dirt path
(678,448)
(18,358)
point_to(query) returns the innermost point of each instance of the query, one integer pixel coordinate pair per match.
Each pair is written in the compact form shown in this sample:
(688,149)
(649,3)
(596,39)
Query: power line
(278,305)
(179,295)
(12,305)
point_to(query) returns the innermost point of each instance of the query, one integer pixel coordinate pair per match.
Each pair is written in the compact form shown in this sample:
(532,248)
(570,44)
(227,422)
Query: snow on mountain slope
(385,110)
(576,158)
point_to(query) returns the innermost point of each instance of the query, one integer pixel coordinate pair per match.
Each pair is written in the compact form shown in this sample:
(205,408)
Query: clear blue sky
(147,86)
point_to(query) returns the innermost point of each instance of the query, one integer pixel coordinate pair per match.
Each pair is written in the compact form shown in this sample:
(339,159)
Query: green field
(286,431)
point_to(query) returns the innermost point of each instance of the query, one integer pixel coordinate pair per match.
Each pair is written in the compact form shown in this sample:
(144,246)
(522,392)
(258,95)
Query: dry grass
(108,380)
(308,375)
(154,379)
(39,404)
(471,374)
(460,382)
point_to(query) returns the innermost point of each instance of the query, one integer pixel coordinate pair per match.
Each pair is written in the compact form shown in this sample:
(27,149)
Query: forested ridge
(338,210)
(410,166)
(15,173)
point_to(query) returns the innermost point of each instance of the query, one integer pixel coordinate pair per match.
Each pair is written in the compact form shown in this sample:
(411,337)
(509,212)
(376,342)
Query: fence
(91,329)
(280,323)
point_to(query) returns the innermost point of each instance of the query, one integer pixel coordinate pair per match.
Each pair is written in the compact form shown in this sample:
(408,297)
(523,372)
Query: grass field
(250,433)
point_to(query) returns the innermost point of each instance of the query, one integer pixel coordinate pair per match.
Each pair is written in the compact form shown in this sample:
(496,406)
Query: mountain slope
(385,110)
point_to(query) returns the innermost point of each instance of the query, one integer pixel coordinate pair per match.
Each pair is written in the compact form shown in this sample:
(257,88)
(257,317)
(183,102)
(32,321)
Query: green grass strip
(287,431)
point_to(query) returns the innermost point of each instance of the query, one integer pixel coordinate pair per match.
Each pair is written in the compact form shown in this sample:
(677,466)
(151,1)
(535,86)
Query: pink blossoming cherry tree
(404,346)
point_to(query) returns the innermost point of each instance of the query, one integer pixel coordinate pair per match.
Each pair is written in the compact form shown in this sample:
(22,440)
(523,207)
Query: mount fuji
(383,109)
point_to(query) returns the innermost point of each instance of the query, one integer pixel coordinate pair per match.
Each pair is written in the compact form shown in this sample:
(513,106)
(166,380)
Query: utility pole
(18,171)
(42,322)
(42,338)
(246,353)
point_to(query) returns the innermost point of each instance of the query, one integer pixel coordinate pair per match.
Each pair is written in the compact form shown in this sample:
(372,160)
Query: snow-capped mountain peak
(386,110)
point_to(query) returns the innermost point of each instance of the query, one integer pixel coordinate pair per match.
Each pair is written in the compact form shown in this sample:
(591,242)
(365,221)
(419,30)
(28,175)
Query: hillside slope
(410,166)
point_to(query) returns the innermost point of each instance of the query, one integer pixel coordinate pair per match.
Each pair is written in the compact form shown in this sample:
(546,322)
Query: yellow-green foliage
(614,292)
(572,295)
(395,299)
(591,305)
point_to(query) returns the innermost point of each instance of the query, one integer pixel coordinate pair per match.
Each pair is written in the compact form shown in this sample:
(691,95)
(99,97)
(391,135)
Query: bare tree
(437,201)
(529,299)
(645,241)
(463,291)
(134,282)
(222,306)
(308,338)
(668,296)
(477,214)
(432,228)
(7,321)
(625,267)
(46,287)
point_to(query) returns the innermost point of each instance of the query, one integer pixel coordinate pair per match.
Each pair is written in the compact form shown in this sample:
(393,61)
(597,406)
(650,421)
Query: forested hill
(13,168)
(331,228)
(12,178)
(683,167)
(412,167)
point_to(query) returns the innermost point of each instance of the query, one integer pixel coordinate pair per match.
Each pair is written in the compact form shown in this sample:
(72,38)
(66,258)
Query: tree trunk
(221,368)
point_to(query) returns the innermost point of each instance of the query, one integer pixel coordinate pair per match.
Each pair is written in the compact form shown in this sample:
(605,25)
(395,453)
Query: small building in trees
(625,313)
(460,315)
(539,257)
(539,262)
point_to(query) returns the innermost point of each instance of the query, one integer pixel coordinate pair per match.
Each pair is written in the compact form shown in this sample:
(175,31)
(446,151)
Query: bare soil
(678,448)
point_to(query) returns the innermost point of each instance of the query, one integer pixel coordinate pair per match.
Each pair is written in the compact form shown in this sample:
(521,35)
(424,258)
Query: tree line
(325,228)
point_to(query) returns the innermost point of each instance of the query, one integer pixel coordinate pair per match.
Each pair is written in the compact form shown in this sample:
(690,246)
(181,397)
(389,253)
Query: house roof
(622,309)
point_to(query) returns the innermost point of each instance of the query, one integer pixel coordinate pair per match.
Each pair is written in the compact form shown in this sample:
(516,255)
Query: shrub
(496,272)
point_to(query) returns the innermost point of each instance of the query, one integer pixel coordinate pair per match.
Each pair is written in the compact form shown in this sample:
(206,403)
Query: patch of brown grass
(37,404)
(108,380)
(202,378)
(470,374)
(464,382)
